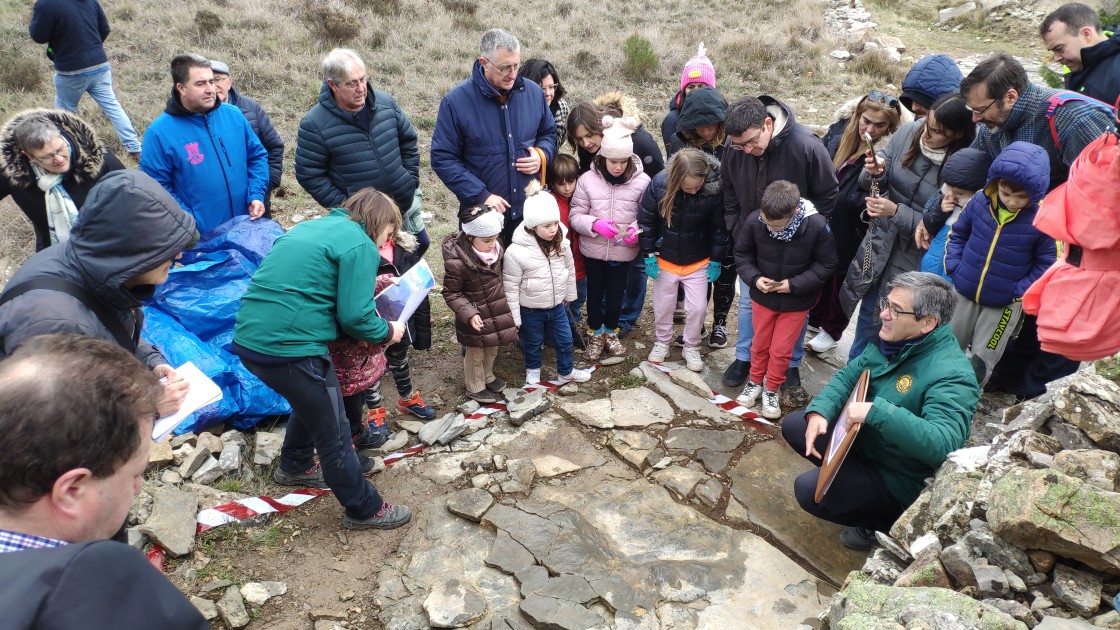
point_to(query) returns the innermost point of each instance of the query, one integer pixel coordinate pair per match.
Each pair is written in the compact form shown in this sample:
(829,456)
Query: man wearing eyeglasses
(203,151)
(494,132)
(355,137)
(765,144)
(919,406)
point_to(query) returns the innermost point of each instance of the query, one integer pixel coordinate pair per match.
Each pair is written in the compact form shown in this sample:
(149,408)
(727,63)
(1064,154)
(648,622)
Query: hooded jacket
(645,147)
(991,263)
(472,288)
(669,123)
(336,157)
(480,133)
(696,230)
(90,160)
(1100,73)
(212,163)
(73,31)
(100,256)
(795,154)
(968,169)
(808,260)
(594,199)
(932,77)
(533,280)
(266,133)
(704,106)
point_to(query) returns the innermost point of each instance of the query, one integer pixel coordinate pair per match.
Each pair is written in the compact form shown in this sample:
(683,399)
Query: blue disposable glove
(651,267)
(714,269)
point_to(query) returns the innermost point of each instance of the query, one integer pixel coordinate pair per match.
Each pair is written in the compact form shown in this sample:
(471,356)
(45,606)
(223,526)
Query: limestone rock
(1092,403)
(507,555)
(945,16)
(889,41)
(567,389)
(679,479)
(232,609)
(170,476)
(523,471)
(1070,437)
(594,413)
(710,492)
(395,443)
(531,579)
(186,438)
(274,589)
(691,381)
(684,398)
(206,607)
(1095,467)
(551,465)
(255,593)
(210,441)
(161,454)
(875,601)
(1080,590)
(1044,509)
(411,426)
(736,513)
(233,437)
(443,430)
(452,604)
(527,405)
(471,503)
(682,439)
(267,448)
(639,407)
(957,560)
(997,551)
(568,587)
(172,523)
(230,460)
(990,580)
(208,472)
(714,461)
(556,614)
(194,461)
(926,570)
(840,55)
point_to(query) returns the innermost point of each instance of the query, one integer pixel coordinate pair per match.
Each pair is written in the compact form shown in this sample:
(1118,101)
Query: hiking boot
(793,378)
(719,337)
(679,313)
(679,341)
(659,352)
(532,377)
(496,385)
(771,406)
(595,345)
(391,516)
(750,394)
(310,478)
(736,373)
(485,396)
(375,431)
(692,358)
(823,342)
(614,346)
(576,376)
(415,405)
(857,538)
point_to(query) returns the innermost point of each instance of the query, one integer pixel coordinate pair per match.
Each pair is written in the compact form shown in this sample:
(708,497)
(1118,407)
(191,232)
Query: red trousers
(774,336)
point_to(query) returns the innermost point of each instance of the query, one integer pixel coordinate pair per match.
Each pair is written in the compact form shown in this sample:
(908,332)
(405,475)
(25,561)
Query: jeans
(319,423)
(634,298)
(538,322)
(68,90)
(606,283)
(867,323)
(746,331)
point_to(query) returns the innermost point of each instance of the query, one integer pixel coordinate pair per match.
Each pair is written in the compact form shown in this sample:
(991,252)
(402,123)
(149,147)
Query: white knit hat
(540,208)
(617,143)
(486,222)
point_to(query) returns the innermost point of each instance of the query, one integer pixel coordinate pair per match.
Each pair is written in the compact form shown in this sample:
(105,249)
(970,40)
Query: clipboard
(843,435)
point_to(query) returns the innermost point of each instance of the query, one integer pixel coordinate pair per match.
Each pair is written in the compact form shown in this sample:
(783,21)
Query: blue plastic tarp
(191,318)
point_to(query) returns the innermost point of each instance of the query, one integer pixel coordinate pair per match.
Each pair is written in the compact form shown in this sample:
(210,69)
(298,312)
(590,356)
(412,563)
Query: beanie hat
(484,223)
(699,69)
(219,67)
(967,169)
(617,142)
(539,209)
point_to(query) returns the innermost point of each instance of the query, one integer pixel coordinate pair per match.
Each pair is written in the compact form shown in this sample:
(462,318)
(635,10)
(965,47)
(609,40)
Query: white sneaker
(532,377)
(659,352)
(750,394)
(771,405)
(692,358)
(823,342)
(577,376)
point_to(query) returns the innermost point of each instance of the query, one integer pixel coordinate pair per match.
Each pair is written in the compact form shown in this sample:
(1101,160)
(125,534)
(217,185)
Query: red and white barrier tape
(723,402)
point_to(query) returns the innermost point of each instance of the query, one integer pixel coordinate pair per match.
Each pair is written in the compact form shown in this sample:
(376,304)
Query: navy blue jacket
(73,31)
(478,137)
(266,133)
(697,230)
(932,77)
(993,264)
(1100,73)
(336,156)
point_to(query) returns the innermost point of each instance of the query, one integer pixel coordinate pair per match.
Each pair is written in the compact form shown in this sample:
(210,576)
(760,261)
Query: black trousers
(858,496)
(606,285)
(1026,368)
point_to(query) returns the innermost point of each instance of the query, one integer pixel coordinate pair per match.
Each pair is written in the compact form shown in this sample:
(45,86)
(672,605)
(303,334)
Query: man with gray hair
(494,132)
(355,137)
(921,397)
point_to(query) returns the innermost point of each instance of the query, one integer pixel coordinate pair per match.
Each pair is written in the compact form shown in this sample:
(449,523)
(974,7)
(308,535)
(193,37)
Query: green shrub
(1110,15)
(639,62)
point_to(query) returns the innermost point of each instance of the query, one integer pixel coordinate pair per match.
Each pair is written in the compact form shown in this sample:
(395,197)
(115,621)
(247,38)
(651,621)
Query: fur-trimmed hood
(87,153)
(625,103)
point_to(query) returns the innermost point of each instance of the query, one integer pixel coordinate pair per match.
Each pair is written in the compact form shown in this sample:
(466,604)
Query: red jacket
(573,237)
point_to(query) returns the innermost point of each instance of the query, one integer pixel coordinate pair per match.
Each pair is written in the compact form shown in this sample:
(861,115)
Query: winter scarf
(61,211)
(937,156)
(786,233)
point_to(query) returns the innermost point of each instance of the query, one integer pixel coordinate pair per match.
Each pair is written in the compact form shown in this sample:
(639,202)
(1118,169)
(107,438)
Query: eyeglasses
(48,158)
(221,79)
(982,109)
(774,226)
(749,144)
(507,69)
(354,83)
(884,305)
(875,96)
(550,88)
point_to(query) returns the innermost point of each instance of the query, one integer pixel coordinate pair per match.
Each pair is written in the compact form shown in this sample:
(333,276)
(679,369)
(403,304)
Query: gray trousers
(984,332)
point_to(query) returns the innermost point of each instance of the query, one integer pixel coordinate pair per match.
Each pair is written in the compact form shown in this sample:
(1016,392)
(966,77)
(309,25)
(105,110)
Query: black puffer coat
(697,231)
(704,106)
(807,261)
(472,288)
(266,133)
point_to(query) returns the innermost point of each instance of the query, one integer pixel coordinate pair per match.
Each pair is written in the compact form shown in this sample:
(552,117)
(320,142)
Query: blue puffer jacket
(266,133)
(991,263)
(478,137)
(73,31)
(212,163)
(932,77)
(336,157)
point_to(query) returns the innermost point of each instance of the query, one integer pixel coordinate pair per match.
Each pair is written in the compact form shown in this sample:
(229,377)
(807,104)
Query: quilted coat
(472,288)
(595,199)
(697,230)
(534,280)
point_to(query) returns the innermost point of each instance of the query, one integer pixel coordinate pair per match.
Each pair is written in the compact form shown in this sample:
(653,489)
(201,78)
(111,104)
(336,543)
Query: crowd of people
(913,214)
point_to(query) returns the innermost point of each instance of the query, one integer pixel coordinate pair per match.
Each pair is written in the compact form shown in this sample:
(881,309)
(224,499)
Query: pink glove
(605,228)
(631,235)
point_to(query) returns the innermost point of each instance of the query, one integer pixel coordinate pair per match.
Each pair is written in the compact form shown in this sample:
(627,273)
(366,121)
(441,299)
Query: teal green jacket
(318,280)
(922,408)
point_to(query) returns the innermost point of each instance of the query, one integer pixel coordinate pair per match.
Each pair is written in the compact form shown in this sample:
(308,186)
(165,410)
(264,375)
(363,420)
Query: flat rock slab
(684,439)
(639,407)
(172,523)
(507,555)
(550,466)
(762,481)
(471,503)
(679,479)
(691,381)
(452,604)
(557,614)
(593,413)
(684,398)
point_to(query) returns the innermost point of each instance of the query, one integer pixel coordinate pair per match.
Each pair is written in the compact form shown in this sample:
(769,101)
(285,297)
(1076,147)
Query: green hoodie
(923,403)
(318,280)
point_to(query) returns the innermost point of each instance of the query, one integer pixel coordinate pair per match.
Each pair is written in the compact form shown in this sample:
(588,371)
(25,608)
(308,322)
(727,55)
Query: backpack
(1065,96)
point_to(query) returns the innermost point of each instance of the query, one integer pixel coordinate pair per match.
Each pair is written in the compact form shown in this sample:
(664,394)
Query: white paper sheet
(202,392)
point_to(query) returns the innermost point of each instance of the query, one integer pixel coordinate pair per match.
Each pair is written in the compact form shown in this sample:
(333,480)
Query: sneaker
(532,377)
(576,376)
(366,464)
(857,538)
(415,405)
(614,346)
(750,394)
(624,331)
(771,406)
(719,337)
(390,517)
(311,478)
(485,396)
(692,358)
(659,352)
(496,385)
(595,345)
(679,341)
(371,438)
(736,373)
(679,314)
(793,378)
(823,342)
